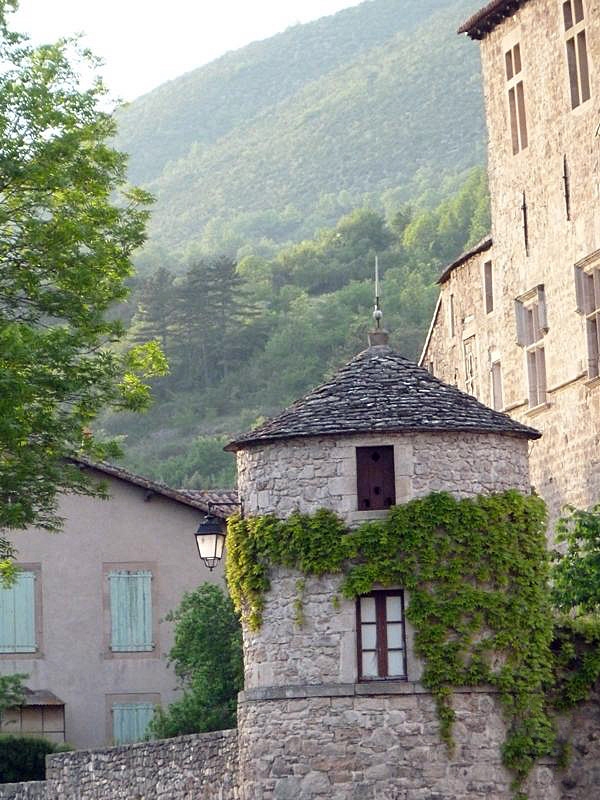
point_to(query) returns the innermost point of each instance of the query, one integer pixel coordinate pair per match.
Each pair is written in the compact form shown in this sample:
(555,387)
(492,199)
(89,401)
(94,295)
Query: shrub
(23,758)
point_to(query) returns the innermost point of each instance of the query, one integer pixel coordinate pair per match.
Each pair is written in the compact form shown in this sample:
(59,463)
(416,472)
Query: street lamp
(210,538)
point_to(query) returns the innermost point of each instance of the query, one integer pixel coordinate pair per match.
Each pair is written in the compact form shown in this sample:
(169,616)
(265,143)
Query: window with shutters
(19,614)
(587,283)
(375,478)
(130,598)
(577,57)
(381,636)
(516,98)
(532,326)
(470,359)
(488,287)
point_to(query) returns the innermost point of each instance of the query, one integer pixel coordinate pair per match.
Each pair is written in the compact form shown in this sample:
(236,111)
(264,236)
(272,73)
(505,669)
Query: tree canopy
(68,228)
(207,656)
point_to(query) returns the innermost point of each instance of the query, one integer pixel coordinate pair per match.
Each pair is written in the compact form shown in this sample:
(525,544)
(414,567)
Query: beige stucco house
(518,319)
(86,620)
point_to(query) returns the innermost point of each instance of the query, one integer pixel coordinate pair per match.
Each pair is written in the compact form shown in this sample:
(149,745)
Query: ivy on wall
(476,571)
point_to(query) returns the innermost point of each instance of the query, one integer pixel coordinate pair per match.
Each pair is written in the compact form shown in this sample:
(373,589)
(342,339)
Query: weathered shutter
(593,347)
(17,616)
(131,611)
(542,313)
(488,282)
(130,721)
(580,289)
(375,478)
(532,378)
(497,399)
(521,323)
(540,357)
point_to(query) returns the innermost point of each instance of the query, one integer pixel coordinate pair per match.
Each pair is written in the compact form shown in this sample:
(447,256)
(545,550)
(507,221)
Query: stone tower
(317,719)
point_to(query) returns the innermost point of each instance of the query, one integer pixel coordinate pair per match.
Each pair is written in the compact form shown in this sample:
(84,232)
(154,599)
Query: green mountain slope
(279,138)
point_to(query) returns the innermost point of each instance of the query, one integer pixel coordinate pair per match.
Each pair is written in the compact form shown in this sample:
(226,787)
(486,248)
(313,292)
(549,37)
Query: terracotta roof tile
(220,502)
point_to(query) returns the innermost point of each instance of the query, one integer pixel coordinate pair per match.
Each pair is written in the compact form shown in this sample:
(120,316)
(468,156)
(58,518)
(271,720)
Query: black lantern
(210,538)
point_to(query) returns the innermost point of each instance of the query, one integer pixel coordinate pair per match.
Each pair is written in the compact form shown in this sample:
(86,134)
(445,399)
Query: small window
(577,58)
(587,283)
(130,721)
(380,636)
(497,398)
(375,478)
(131,611)
(488,284)
(17,615)
(451,316)
(532,326)
(516,99)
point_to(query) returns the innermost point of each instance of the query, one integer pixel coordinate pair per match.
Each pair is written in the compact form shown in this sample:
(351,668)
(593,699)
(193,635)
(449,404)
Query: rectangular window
(375,478)
(451,316)
(587,283)
(17,615)
(130,721)
(131,611)
(488,285)
(516,99)
(380,636)
(470,357)
(532,326)
(497,398)
(577,58)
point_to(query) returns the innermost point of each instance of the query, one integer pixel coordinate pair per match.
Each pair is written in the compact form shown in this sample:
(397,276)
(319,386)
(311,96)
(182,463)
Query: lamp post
(210,538)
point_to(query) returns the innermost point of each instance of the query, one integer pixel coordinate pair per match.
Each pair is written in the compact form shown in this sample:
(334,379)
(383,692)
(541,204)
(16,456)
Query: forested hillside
(243,340)
(279,172)
(380,103)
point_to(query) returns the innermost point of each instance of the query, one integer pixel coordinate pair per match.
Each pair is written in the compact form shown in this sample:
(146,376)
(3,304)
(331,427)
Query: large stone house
(86,619)
(518,318)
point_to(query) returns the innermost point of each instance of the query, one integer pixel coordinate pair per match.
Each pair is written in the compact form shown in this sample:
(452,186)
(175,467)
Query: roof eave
(487,18)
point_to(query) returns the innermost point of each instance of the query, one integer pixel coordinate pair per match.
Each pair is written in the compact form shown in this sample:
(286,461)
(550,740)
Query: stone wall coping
(53,759)
(301,692)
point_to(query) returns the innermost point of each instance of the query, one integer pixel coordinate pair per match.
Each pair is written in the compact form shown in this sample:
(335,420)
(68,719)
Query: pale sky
(146,42)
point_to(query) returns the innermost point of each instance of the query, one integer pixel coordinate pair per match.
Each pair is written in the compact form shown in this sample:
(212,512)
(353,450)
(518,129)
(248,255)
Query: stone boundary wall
(184,768)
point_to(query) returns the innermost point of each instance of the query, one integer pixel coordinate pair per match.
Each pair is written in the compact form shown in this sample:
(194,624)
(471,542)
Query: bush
(23,758)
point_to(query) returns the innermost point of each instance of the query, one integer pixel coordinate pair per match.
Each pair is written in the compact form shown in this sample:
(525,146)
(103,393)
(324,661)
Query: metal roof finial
(379,335)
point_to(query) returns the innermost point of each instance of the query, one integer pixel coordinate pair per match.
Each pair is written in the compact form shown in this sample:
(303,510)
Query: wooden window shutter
(131,611)
(580,289)
(17,616)
(130,721)
(497,398)
(375,478)
(521,323)
(542,312)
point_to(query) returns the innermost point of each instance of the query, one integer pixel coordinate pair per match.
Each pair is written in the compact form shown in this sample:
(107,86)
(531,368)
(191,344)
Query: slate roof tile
(381,391)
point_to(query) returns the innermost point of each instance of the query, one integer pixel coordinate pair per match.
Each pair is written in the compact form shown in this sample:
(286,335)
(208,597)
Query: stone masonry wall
(564,463)
(185,768)
(355,747)
(307,474)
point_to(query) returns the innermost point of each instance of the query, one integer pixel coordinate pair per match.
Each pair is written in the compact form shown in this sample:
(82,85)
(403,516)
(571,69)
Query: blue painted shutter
(17,616)
(131,611)
(130,721)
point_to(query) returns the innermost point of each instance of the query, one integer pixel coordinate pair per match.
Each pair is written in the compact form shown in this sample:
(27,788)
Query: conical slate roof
(381,391)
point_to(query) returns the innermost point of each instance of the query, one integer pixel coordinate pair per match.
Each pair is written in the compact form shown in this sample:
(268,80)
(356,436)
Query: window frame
(488,286)
(36,569)
(587,288)
(470,361)
(532,327)
(381,622)
(496,384)
(515,94)
(129,698)
(577,53)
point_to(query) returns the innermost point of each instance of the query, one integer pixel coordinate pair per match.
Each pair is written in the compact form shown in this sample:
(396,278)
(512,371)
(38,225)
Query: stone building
(518,319)
(320,716)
